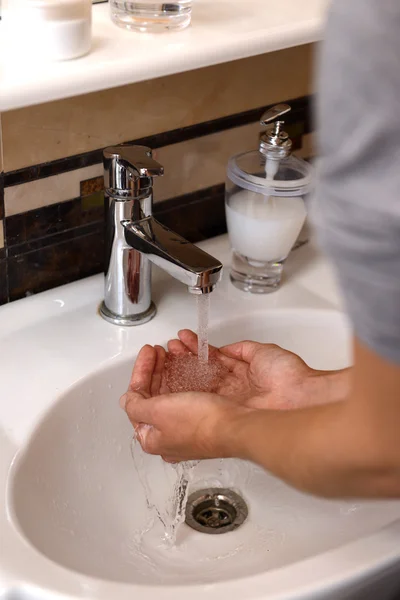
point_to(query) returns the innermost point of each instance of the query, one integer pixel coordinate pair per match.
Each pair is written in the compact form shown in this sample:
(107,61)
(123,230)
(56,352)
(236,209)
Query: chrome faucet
(135,239)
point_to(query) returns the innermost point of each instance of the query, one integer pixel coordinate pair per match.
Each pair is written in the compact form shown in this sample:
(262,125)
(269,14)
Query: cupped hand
(185,426)
(195,425)
(256,375)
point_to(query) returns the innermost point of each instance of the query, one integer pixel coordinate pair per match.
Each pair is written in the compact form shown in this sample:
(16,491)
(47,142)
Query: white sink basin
(74,504)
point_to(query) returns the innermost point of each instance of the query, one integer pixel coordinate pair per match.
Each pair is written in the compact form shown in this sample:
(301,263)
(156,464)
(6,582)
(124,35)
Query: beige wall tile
(202,162)
(189,166)
(50,190)
(1,234)
(57,129)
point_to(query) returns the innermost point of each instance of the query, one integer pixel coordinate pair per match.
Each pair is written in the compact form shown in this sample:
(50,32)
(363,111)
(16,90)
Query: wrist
(233,433)
(323,387)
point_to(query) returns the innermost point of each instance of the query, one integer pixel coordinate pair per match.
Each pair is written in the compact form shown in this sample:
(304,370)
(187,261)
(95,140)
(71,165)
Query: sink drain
(215,510)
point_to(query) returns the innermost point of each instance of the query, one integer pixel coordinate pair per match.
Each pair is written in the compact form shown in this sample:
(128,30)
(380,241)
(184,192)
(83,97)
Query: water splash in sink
(170,507)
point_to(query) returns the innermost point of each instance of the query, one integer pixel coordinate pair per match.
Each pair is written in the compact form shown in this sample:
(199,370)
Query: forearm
(325,450)
(323,387)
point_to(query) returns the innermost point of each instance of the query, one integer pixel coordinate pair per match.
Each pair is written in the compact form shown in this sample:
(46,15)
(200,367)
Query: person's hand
(193,425)
(185,426)
(260,375)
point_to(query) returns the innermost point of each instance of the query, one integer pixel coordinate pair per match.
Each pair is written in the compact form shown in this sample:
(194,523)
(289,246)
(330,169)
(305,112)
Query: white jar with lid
(49,29)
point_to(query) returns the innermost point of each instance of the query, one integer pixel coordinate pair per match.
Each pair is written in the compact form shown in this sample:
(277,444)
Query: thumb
(138,408)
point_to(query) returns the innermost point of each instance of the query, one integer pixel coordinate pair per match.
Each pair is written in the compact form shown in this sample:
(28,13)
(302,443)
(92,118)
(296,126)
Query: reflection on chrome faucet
(134,240)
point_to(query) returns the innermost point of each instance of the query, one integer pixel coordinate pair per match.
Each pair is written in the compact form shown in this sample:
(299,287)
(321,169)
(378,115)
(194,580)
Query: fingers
(177,348)
(190,340)
(156,381)
(143,371)
(244,351)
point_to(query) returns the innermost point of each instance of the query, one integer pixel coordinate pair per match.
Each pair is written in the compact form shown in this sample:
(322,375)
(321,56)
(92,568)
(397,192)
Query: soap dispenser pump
(265,208)
(275,143)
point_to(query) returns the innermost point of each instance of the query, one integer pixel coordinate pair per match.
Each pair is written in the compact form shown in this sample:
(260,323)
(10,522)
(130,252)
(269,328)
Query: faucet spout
(181,259)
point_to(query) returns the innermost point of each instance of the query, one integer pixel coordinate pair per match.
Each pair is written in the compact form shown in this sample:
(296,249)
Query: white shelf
(221,31)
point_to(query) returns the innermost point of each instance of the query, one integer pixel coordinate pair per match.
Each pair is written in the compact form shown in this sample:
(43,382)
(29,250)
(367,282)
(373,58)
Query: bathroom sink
(75,517)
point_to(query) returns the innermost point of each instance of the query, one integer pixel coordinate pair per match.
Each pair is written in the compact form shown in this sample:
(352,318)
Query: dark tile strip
(300,111)
(49,220)
(57,238)
(196,216)
(51,266)
(55,224)
(1,196)
(3,281)
(3,251)
(179,202)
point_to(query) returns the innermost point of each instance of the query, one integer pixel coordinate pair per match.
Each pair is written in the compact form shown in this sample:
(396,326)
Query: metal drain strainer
(215,510)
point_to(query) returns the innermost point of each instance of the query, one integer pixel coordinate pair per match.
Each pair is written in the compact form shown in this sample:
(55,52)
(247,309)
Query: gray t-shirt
(358,190)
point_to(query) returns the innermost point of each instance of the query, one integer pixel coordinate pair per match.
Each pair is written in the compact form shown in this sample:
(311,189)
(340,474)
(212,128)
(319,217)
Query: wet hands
(181,426)
(255,375)
(195,425)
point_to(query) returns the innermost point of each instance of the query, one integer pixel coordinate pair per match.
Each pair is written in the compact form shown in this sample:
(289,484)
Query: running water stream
(184,373)
(203,311)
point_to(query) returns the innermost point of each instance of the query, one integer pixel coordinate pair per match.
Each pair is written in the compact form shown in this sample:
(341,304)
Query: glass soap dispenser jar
(265,208)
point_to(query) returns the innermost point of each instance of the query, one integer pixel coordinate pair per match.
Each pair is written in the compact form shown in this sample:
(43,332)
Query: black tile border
(300,110)
(179,202)
(62,222)
(48,221)
(4,297)
(196,216)
(2,212)
(55,239)
(51,266)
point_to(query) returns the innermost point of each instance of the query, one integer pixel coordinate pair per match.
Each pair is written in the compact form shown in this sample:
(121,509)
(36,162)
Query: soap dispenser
(265,208)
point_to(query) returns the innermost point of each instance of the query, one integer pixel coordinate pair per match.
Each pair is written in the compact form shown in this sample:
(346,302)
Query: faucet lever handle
(137,160)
